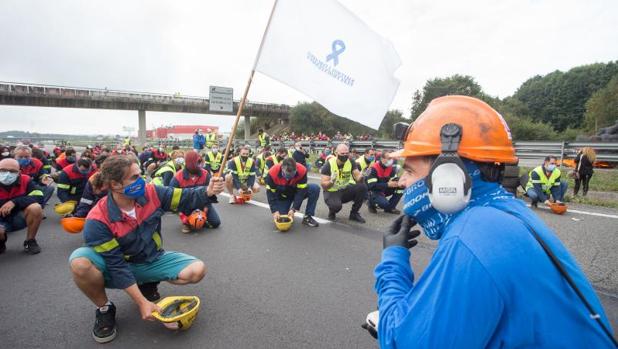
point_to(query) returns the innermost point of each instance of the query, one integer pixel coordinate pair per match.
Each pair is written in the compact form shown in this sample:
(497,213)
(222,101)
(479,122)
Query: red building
(178,131)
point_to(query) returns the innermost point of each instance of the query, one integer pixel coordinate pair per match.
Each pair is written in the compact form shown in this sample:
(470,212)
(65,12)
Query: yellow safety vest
(243,172)
(157,178)
(262,139)
(362,163)
(344,176)
(546,183)
(211,139)
(214,161)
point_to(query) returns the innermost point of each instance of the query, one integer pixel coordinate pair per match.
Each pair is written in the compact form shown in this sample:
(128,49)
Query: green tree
(602,107)
(438,87)
(559,98)
(385,131)
(313,118)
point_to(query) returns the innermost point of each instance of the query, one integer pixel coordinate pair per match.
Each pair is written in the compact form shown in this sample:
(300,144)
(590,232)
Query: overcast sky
(185,46)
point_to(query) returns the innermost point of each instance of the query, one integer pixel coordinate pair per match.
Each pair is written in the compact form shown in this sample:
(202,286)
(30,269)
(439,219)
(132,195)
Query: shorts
(166,267)
(14,222)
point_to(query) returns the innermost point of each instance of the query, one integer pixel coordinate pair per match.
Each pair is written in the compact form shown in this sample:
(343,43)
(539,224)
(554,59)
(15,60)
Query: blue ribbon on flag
(338,47)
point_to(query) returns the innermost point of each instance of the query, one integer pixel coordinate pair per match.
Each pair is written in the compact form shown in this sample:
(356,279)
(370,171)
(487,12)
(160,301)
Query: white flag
(323,50)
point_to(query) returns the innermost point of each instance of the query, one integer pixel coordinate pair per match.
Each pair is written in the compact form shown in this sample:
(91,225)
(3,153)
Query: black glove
(372,331)
(400,233)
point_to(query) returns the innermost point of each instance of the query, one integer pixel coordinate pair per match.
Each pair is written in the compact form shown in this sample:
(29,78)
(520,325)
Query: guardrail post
(561,154)
(247,127)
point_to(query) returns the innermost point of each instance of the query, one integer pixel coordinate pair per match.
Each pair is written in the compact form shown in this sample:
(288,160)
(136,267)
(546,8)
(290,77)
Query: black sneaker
(31,247)
(3,243)
(331,216)
(355,216)
(105,325)
(308,220)
(534,204)
(372,209)
(393,211)
(150,291)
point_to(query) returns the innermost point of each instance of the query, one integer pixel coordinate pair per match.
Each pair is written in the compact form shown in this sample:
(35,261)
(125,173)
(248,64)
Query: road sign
(221,99)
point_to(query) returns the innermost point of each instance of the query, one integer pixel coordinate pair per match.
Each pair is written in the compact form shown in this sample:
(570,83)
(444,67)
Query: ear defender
(448,181)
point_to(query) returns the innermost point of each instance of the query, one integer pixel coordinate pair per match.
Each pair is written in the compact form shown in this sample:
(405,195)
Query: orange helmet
(558,208)
(485,135)
(73,225)
(197,219)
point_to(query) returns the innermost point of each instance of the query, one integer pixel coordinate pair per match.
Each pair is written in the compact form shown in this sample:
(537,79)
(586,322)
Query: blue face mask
(70,159)
(288,176)
(370,158)
(551,167)
(24,162)
(8,178)
(416,204)
(136,189)
(84,172)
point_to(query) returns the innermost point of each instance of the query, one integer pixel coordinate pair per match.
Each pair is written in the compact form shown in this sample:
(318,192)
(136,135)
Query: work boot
(355,216)
(150,291)
(105,325)
(534,204)
(214,199)
(3,243)
(31,247)
(186,229)
(372,209)
(393,211)
(308,220)
(332,216)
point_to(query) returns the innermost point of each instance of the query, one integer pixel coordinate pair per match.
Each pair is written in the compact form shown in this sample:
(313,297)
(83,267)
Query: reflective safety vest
(362,163)
(211,139)
(243,172)
(214,160)
(169,166)
(262,138)
(546,183)
(344,176)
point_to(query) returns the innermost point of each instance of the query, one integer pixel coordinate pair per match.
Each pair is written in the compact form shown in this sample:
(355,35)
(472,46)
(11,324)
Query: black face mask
(280,158)
(342,158)
(244,158)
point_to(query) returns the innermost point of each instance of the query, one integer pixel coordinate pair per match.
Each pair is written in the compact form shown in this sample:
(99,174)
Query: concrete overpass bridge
(34,95)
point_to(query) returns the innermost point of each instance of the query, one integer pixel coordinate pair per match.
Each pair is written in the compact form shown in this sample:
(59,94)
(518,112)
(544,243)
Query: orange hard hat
(197,219)
(73,225)
(558,208)
(485,135)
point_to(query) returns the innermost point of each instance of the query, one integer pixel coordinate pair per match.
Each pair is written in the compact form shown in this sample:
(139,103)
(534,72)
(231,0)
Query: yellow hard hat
(178,313)
(284,223)
(65,208)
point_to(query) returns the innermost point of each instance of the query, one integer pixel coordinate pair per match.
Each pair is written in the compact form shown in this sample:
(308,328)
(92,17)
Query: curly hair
(112,169)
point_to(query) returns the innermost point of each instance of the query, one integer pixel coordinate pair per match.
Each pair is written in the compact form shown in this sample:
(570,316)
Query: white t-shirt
(131,213)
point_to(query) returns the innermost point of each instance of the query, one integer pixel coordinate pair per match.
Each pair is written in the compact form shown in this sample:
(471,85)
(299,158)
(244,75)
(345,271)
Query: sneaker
(214,199)
(534,204)
(372,209)
(232,199)
(31,246)
(3,243)
(355,216)
(105,325)
(331,216)
(150,291)
(393,211)
(308,220)
(186,229)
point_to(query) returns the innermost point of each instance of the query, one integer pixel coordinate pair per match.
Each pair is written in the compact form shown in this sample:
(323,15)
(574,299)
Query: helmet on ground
(178,313)
(73,225)
(284,223)
(197,219)
(65,208)
(485,136)
(558,207)
(245,196)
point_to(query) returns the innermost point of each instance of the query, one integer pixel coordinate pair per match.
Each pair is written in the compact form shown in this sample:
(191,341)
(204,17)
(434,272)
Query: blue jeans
(557,193)
(379,199)
(312,194)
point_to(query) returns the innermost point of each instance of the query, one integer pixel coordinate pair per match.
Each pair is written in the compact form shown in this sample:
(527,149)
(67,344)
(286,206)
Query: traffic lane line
(297,214)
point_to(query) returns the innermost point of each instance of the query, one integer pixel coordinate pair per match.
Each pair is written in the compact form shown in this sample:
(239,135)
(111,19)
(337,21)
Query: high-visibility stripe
(73,190)
(176,199)
(157,239)
(106,246)
(302,186)
(63,186)
(372,180)
(86,201)
(36,193)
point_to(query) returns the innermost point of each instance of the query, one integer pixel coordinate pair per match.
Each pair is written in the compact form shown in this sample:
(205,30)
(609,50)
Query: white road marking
(585,212)
(297,214)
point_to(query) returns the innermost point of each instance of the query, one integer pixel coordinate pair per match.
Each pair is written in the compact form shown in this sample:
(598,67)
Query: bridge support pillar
(141,131)
(247,127)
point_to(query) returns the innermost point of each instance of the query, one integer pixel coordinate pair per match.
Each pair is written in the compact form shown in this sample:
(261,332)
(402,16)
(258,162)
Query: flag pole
(241,105)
